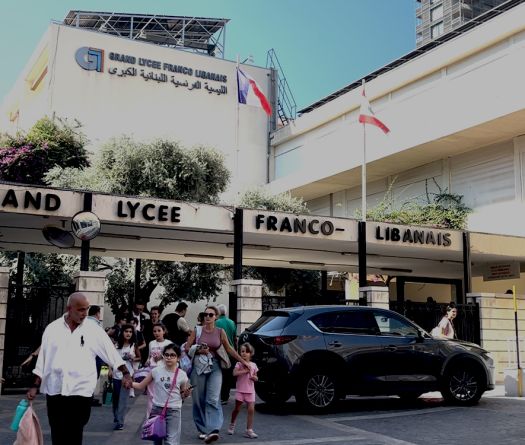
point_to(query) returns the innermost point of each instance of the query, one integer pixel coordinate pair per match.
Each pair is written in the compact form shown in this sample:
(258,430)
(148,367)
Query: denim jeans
(120,401)
(173,425)
(206,396)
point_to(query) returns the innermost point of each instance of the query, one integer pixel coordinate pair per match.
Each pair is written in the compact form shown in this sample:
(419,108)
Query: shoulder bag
(154,428)
(224,358)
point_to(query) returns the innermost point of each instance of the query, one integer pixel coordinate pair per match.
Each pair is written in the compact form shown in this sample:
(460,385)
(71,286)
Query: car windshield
(270,321)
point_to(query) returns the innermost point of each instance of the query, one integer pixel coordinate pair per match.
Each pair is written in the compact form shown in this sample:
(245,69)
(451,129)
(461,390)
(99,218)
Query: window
(437,30)
(347,322)
(391,325)
(436,13)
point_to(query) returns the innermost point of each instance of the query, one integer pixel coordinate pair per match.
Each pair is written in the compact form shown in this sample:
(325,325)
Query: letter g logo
(91,59)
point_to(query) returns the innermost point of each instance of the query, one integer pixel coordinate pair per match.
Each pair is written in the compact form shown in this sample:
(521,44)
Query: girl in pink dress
(245,390)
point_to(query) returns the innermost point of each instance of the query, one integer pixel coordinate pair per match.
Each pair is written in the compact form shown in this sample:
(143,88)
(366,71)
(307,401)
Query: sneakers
(202,436)
(212,437)
(250,434)
(119,427)
(231,429)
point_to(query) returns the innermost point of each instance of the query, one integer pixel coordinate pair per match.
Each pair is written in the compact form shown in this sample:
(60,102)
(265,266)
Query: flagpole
(363,171)
(237,125)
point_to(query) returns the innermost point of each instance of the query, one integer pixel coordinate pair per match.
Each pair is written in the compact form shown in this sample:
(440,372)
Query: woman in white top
(446,326)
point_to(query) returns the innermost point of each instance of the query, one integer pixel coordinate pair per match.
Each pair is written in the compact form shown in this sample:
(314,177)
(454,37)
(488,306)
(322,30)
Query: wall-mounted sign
(126,65)
(414,236)
(337,229)
(502,271)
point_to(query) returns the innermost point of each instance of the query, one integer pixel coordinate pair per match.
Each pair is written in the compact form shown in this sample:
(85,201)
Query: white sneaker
(231,429)
(250,434)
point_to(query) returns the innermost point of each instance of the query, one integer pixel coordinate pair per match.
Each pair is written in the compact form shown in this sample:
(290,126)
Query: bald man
(66,370)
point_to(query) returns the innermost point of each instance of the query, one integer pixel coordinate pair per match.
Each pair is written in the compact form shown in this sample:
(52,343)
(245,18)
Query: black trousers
(67,417)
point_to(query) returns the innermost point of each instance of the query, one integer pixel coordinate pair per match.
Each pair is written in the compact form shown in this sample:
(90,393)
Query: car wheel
(319,391)
(463,385)
(271,394)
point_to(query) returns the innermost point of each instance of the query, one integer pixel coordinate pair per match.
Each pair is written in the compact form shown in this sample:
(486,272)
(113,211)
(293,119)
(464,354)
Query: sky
(322,45)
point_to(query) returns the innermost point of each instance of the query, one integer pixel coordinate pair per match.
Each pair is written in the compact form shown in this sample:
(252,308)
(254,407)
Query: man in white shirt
(66,372)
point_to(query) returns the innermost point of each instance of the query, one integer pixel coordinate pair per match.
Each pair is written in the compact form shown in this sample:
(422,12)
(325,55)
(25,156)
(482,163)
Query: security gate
(29,310)
(428,315)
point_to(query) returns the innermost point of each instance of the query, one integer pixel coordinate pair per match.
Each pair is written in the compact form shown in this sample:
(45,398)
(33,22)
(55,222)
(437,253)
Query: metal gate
(29,310)
(426,315)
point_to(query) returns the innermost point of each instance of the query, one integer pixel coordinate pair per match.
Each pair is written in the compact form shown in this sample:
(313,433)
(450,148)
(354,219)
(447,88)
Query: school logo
(91,59)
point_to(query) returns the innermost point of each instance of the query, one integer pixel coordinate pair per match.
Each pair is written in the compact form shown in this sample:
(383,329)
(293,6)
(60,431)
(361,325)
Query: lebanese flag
(250,93)
(367,116)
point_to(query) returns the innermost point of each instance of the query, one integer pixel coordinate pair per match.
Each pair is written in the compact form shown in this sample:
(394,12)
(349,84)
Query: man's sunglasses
(168,355)
(209,314)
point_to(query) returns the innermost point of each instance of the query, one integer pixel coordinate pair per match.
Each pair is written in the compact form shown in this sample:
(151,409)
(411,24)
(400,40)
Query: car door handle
(391,348)
(335,344)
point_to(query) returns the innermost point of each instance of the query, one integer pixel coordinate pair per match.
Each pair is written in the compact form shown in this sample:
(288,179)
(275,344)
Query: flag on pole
(250,93)
(367,116)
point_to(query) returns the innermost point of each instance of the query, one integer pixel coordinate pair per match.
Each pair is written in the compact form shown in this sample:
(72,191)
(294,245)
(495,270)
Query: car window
(270,321)
(391,325)
(346,322)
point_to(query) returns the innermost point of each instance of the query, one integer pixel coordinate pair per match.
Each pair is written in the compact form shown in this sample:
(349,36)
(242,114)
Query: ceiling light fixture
(307,263)
(395,269)
(198,255)
(251,246)
(120,235)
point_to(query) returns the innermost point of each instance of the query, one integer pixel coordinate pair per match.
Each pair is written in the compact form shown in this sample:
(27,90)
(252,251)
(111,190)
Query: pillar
(92,285)
(497,328)
(376,296)
(4,284)
(249,302)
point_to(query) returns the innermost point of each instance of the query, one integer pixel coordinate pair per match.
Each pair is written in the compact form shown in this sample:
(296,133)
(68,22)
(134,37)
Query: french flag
(250,93)
(367,116)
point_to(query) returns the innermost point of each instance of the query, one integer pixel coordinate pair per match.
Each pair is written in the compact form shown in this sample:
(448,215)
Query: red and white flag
(367,116)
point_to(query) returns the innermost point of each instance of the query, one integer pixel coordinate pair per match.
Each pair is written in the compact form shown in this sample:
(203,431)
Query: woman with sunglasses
(207,409)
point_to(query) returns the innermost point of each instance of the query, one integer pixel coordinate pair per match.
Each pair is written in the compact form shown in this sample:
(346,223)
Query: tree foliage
(303,286)
(442,209)
(263,200)
(161,169)
(27,157)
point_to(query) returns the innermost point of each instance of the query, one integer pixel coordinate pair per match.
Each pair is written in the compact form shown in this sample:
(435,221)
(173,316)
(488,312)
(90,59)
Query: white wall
(111,105)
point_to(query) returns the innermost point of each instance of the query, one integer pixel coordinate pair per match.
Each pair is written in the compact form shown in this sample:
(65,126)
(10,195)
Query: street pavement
(357,421)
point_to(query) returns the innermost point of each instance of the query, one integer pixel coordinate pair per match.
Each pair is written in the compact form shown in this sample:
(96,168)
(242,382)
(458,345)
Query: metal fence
(29,310)
(428,315)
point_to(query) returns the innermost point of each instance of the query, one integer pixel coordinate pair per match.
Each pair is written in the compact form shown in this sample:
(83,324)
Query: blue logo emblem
(91,59)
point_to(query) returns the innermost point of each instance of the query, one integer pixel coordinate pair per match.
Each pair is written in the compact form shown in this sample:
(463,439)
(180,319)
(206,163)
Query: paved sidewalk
(274,425)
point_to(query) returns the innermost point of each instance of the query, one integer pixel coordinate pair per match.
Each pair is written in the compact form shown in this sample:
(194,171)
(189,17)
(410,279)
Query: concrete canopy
(139,227)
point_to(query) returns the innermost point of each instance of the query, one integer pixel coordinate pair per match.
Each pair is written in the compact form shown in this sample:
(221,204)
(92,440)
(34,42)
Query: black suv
(320,354)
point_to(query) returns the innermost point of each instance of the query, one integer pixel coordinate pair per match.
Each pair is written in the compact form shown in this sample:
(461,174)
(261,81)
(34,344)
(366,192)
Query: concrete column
(496,313)
(4,283)
(249,302)
(376,296)
(92,285)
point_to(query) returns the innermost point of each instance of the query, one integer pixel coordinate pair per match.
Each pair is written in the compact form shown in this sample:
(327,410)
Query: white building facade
(145,91)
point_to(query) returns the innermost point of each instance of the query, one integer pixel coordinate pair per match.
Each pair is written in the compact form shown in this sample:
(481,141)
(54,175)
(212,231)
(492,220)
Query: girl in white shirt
(167,393)
(126,347)
(157,346)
